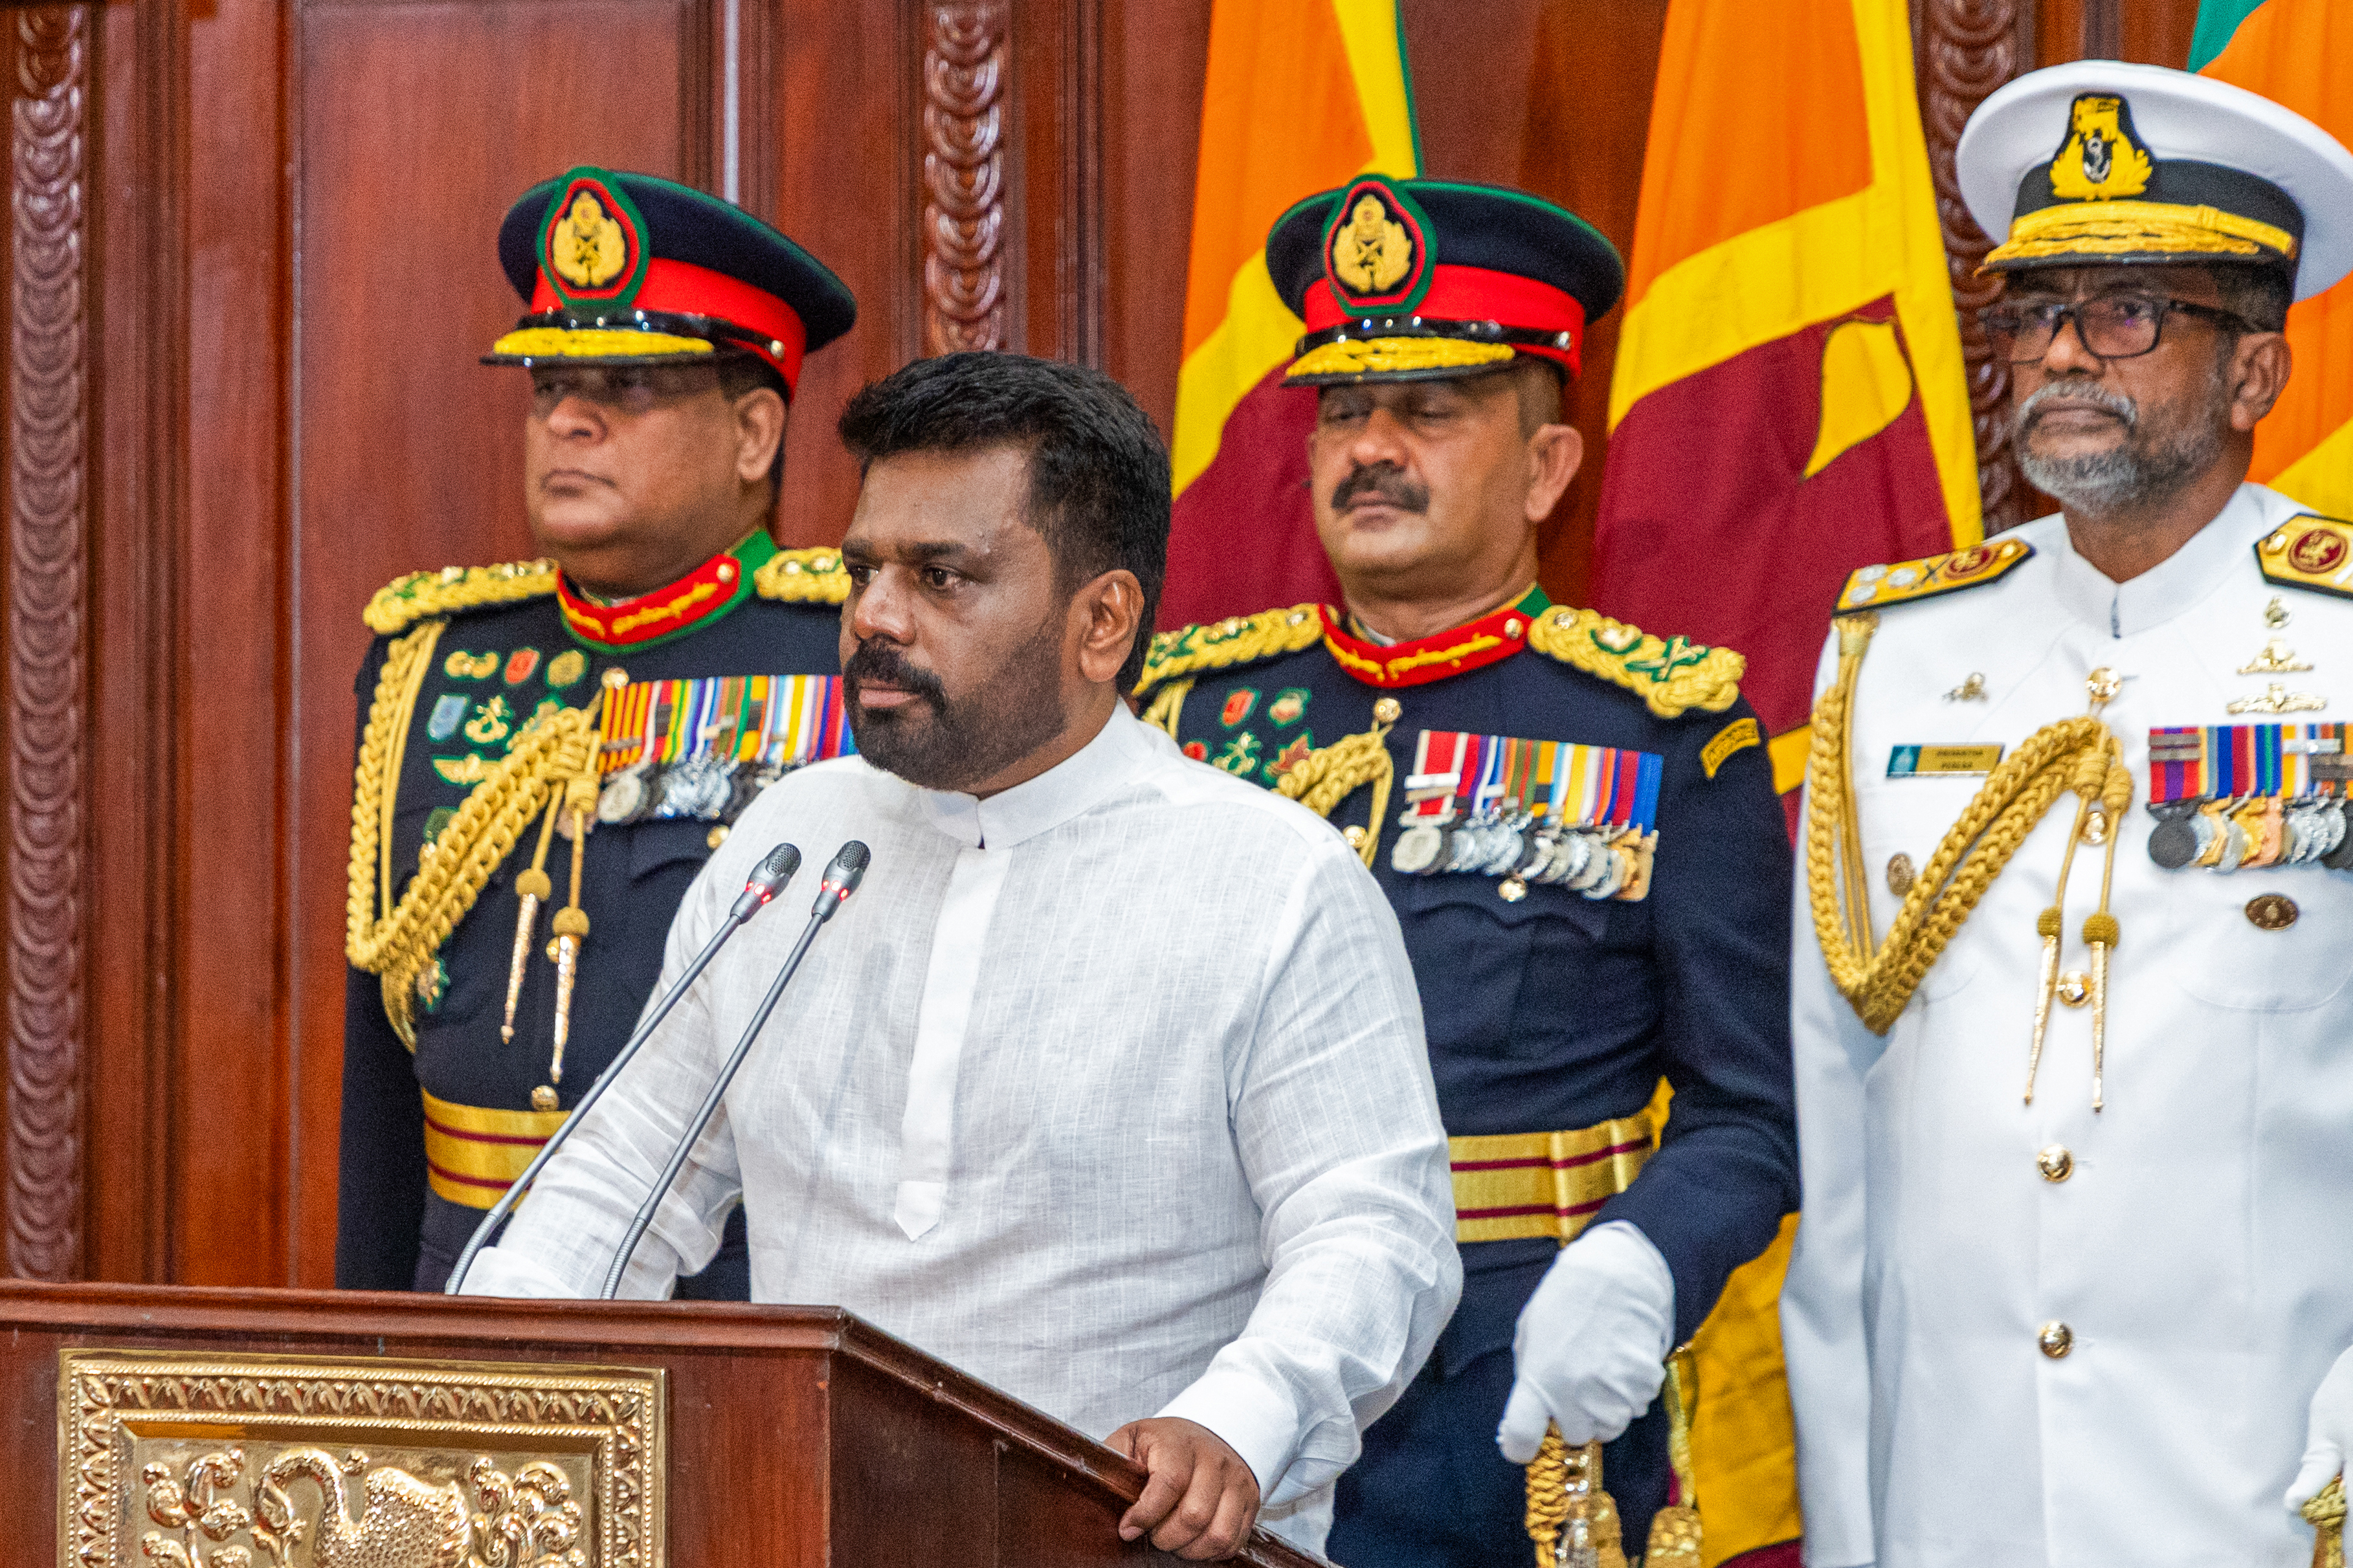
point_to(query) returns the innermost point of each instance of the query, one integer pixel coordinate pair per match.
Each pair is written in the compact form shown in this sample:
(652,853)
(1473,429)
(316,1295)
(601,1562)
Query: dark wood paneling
(1154,56)
(2151,32)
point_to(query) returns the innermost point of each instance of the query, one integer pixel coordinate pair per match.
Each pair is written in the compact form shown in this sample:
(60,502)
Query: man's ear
(759,431)
(1555,454)
(2259,364)
(1108,616)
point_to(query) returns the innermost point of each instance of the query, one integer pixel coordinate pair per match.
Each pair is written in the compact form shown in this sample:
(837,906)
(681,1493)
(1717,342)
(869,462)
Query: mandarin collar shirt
(1109,1088)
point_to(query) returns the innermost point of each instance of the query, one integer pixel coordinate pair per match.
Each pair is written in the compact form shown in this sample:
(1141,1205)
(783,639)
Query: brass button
(717,836)
(2095,827)
(1900,874)
(2055,1163)
(2055,1340)
(543,1099)
(615,678)
(1511,889)
(1355,836)
(2271,912)
(1387,710)
(2075,988)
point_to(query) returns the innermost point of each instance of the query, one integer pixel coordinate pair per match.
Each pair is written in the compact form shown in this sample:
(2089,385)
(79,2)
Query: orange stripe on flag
(2300,54)
(1280,121)
(1766,117)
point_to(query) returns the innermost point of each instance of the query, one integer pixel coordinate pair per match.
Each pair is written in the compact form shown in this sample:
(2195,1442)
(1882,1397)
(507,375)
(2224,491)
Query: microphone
(767,879)
(843,875)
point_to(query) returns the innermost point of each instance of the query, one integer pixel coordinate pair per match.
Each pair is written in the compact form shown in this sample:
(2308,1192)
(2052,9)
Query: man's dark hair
(743,372)
(2258,294)
(1098,472)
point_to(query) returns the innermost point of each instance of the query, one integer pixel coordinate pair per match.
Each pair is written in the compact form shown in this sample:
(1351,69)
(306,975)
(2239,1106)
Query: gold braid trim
(398,942)
(2325,1511)
(1672,675)
(1973,852)
(407,600)
(1566,1498)
(1167,705)
(1325,777)
(1675,1533)
(803,577)
(1220,645)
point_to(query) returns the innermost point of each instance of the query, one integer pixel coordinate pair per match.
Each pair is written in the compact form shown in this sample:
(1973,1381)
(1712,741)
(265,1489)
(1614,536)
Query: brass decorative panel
(200,1461)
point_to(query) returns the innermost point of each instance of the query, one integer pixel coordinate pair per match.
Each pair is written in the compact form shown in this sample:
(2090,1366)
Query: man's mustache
(2080,392)
(1386,480)
(881,664)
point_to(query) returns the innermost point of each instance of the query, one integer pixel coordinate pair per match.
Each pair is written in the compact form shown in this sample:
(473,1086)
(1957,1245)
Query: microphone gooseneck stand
(841,879)
(767,879)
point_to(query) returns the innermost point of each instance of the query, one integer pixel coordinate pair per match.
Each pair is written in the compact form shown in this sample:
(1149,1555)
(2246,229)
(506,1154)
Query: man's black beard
(2147,464)
(936,742)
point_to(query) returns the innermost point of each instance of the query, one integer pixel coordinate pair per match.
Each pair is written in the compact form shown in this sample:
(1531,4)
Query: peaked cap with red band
(1419,280)
(622,268)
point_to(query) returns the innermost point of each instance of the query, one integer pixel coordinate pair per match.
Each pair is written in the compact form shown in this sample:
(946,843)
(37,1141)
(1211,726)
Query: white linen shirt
(1110,1089)
(2198,1249)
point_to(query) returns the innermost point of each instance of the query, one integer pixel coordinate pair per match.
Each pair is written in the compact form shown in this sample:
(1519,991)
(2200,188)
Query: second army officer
(1575,823)
(550,750)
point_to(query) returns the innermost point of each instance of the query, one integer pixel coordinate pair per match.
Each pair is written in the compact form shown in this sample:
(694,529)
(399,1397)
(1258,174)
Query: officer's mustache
(1386,480)
(883,665)
(2079,392)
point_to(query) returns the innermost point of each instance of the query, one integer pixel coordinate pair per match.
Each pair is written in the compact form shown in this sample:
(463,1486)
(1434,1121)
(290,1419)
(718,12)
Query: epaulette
(803,577)
(1220,645)
(404,601)
(1876,587)
(1671,675)
(2308,551)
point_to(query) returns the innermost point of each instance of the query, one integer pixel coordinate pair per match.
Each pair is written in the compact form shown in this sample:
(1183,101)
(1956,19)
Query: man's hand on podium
(1201,1499)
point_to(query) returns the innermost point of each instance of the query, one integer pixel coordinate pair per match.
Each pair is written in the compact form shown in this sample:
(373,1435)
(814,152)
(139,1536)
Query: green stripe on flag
(2218,23)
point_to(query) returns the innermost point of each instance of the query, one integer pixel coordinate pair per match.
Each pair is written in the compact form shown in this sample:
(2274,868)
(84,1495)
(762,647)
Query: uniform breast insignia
(404,601)
(1876,587)
(2230,797)
(2310,552)
(1919,761)
(1672,675)
(1543,812)
(1736,736)
(702,749)
(803,577)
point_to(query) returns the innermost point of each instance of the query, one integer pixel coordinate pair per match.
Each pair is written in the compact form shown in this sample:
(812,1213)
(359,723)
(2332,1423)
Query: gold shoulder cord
(393,940)
(2080,755)
(2325,1511)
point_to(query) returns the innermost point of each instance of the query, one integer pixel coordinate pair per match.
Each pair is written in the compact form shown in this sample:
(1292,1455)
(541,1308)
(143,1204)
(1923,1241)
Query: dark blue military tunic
(491,669)
(1548,1012)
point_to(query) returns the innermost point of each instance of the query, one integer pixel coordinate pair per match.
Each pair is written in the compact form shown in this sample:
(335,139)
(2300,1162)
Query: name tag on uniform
(1942,761)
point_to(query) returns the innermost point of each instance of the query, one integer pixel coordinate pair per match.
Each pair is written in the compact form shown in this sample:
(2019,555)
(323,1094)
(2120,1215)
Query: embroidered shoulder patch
(1736,736)
(1671,675)
(2310,552)
(1876,587)
(803,577)
(1221,645)
(404,601)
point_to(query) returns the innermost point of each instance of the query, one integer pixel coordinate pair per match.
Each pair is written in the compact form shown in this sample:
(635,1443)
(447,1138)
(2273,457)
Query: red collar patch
(703,595)
(1490,639)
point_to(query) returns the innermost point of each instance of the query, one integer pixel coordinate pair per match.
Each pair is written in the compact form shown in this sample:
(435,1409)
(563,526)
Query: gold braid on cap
(396,940)
(2081,754)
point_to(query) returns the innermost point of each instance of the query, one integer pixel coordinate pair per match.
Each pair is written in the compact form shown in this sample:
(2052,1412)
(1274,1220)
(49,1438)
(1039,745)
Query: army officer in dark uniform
(1576,824)
(549,750)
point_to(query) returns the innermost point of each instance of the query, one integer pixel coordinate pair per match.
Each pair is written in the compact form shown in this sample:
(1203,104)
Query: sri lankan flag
(2298,54)
(1788,401)
(1303,95)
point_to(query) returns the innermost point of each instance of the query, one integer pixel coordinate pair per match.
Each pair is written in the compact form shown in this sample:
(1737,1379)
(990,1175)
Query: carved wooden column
(46,680)
(1968,49)
(964,175)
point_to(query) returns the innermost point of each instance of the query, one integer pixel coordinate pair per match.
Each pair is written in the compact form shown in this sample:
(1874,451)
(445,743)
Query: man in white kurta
(1109,1088)
(2085,1327)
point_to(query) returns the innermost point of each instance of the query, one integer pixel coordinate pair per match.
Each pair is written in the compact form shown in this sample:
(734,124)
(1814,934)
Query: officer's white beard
(2149,463)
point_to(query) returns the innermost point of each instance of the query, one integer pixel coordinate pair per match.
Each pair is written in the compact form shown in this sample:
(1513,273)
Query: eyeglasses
(2113,326)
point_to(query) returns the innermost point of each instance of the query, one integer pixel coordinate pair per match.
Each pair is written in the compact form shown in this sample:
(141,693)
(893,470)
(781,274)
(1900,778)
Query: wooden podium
(207,1428)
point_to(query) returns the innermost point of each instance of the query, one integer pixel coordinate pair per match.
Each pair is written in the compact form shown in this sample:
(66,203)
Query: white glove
(1591,1348)
(2329,1432)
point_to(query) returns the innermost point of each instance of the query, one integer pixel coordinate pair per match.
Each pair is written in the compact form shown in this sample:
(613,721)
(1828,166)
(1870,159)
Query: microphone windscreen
(776,868)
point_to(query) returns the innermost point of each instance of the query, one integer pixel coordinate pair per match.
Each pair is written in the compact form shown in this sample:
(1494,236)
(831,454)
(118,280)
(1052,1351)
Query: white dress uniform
(2030,1333)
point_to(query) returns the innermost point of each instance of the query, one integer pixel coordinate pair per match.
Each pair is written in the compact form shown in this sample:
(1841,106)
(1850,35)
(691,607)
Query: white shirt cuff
(1250,1418)
(498,1272)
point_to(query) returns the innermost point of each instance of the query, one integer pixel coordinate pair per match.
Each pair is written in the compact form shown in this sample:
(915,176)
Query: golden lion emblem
(2099,161)
(586,248)
(1371,255)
